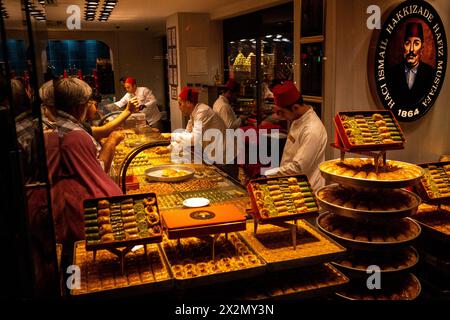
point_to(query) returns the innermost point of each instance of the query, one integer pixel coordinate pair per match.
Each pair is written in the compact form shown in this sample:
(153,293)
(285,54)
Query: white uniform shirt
(145,97)
(202,119)
(305,149)
(223,108)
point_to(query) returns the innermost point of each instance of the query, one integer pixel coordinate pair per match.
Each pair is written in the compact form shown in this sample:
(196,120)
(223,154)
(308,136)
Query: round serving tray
(361,272)
(366,183)
(368,215)
(154,173)
(414,283)
(366,245)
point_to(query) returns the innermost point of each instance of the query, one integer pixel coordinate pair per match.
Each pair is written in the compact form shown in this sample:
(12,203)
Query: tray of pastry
(274,245)
(191,261)
(367,204)
(122,221)
(435,221)
(406,287)
(434,187)
(375,235)
(369,130)
(356,264)
(361,172)
(143,273)
(169,173)
(282,198)
(303,283)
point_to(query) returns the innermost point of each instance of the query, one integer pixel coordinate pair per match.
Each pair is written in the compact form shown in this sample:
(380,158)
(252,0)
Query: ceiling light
(279,36)
(269,36)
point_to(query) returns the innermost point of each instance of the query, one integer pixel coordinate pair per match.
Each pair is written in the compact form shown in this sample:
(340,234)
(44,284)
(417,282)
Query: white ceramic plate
(196,202)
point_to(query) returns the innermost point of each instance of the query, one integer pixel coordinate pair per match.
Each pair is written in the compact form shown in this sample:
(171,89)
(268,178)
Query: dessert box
(214,219)
(122,221)
(278,199)
(434,186)
(368,130)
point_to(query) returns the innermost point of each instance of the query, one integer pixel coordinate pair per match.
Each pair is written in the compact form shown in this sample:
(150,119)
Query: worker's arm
(103,131)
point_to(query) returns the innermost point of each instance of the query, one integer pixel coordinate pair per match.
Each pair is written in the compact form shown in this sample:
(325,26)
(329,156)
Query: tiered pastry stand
(366,219)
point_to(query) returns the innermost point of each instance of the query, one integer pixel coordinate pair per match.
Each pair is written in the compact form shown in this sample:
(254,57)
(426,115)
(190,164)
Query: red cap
(414,29)
(131,81)
(286,94)
(233,85)
(189,94)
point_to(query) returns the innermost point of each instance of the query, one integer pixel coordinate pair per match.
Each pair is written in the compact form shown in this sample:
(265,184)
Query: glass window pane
(311,68)
(312,18)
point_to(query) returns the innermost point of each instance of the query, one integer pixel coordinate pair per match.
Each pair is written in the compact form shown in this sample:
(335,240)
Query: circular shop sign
(411,60)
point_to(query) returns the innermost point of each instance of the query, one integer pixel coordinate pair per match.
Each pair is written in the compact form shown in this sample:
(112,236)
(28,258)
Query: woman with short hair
(76,174)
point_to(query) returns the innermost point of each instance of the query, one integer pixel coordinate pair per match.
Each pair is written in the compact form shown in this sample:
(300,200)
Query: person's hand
(116,137)
(270,172)
(133,105)
(162,150)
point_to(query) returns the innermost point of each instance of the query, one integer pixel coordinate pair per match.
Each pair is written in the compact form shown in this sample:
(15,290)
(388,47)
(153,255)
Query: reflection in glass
(311,68)
(312,18)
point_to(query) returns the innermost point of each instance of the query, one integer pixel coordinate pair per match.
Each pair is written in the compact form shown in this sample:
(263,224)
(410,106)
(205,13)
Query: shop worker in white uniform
(307,139)
(202,118)
(147,102)
(223,105)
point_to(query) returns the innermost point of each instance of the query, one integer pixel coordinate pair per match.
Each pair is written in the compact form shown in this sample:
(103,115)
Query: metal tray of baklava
(369,214)
(371,245)
(158,286)
(428,230)
(365,294)
(361,270)
(302,261)
(317,290)
(220,277)
(367,183)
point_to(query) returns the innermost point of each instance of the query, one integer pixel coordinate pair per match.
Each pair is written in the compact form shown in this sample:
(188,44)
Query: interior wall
(198,31)
(347,84)
(136,54)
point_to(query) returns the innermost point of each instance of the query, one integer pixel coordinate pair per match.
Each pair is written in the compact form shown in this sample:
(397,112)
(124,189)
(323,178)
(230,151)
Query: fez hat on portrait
(286,94)
(233,85)
(414,29)
(189,94)
(131,81)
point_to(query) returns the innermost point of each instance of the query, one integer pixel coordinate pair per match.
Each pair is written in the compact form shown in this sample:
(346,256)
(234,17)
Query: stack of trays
(121,221)
(370,217)
(282,198)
